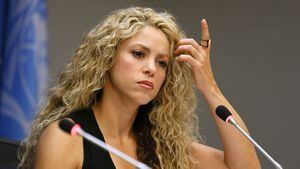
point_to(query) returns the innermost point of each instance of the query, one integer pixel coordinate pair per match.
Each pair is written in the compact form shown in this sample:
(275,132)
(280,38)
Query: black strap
(94,157)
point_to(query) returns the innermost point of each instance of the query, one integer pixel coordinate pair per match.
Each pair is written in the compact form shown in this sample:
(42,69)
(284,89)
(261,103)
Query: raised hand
(198,57)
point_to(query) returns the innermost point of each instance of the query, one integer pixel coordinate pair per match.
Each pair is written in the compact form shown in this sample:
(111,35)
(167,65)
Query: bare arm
(238,151)
(57,149)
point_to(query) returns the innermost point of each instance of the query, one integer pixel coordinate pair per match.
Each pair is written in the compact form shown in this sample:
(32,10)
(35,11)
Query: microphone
(224,114)
(75,129)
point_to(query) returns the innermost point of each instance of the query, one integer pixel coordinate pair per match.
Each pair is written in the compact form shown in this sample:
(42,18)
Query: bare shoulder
(207,157)
(57,149)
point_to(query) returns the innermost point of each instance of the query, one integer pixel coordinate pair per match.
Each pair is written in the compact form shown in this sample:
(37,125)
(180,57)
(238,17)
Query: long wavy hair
(164,128)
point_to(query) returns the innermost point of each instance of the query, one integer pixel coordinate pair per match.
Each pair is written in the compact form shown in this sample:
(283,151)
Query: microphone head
(66,125)
(223,112)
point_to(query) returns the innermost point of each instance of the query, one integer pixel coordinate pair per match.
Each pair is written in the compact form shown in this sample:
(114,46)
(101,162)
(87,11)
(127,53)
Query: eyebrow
(148,50)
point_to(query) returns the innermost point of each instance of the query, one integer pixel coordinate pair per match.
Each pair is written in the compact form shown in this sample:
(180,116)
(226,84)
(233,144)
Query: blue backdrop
(23,64)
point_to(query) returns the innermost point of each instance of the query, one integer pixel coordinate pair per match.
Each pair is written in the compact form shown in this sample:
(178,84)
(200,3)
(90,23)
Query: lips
(146,84)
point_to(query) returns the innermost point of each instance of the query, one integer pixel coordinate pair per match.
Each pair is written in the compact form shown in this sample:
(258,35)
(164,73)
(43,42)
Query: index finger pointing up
(205,32)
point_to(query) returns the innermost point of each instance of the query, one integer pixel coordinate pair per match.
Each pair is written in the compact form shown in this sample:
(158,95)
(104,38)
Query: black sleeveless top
(93,157)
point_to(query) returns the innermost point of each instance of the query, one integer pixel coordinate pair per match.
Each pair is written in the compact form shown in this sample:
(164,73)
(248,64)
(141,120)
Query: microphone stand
(232,121)
(111,149)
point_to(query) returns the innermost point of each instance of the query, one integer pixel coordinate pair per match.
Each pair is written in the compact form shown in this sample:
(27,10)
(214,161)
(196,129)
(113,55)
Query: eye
(163,63)
(138,54)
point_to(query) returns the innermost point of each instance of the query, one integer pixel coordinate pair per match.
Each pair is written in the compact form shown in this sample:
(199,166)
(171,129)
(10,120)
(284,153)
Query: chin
(144,101)
(142,98)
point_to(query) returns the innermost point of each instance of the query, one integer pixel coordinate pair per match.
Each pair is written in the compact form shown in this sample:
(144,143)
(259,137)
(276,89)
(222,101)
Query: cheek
(161,79)
(126,66)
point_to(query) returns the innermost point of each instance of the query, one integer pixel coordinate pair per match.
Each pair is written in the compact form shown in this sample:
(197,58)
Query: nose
(149,67)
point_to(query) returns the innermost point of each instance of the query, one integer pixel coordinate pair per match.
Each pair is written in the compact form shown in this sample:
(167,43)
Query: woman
(131,83)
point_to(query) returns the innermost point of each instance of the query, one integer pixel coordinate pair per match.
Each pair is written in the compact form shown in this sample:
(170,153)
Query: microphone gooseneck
(74,129)
(226,116)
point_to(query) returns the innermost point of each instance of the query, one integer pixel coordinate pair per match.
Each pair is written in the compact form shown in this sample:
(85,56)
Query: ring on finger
(205,44)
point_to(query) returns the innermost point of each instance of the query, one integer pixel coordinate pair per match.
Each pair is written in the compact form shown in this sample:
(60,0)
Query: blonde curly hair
(168,124)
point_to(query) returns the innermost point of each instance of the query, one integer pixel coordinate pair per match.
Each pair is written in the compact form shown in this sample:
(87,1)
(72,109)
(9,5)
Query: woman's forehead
(149,38)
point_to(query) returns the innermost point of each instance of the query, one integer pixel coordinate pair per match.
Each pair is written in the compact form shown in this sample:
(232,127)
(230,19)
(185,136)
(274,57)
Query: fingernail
(203,20)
